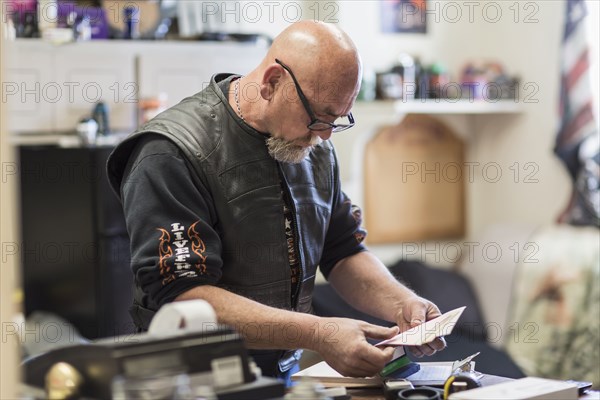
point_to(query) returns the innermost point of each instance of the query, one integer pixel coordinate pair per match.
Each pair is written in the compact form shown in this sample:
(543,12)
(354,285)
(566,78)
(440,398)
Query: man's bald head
(317,49)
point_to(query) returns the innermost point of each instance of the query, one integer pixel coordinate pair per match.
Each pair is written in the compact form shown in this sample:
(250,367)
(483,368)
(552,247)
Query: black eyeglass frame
(315,123)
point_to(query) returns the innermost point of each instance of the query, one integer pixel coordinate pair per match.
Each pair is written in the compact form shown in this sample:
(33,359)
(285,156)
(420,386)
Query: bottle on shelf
(100,115)
(368,85)
(406,68)
(131,16)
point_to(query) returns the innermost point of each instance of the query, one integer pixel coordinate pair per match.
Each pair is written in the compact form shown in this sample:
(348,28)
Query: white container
(47,15)
(87,130)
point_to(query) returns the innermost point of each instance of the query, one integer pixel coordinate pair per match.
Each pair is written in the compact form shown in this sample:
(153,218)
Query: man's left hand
(414,312)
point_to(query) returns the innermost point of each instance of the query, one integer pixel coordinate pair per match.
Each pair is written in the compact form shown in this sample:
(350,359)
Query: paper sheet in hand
(426,332)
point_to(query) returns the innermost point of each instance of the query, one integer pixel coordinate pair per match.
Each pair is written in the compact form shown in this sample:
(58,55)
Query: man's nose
(324,135)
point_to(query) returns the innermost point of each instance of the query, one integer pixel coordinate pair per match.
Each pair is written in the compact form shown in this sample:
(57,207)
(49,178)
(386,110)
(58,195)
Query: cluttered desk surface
(377,394)
(492,387)
(486,380)
(456,376)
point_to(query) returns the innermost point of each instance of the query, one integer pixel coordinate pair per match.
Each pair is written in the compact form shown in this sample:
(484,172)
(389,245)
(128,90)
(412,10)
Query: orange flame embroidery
(198,247)
(165,252)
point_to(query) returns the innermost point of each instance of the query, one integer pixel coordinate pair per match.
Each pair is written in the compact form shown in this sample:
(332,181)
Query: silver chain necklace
(236,97)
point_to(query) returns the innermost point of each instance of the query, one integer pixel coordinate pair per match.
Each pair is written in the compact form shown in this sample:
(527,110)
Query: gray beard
(288,151)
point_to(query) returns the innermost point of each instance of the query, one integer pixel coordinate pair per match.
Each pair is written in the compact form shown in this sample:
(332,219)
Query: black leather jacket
(244,185)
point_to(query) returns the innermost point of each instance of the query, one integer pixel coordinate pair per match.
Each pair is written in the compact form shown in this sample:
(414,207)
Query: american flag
(577,142)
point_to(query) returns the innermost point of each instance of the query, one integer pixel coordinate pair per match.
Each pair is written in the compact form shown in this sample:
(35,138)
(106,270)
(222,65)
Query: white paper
(427,331)
(328,376)
(432,373)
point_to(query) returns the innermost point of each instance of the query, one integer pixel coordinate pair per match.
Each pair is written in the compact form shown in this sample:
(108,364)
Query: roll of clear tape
(183,316)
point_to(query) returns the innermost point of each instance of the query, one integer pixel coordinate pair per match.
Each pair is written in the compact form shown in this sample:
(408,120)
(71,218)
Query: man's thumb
(417,314)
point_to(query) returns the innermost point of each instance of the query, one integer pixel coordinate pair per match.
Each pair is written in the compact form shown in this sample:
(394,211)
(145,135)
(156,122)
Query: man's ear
(271,78)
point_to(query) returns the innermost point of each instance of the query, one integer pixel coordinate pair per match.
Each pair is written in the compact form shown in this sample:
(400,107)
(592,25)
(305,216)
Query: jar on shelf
(150,107)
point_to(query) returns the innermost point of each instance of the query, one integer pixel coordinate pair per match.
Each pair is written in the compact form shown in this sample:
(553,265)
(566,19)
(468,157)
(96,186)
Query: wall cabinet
(75,243)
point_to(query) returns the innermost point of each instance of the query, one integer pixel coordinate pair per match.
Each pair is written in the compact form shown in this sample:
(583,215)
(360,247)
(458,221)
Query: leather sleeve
(170,221)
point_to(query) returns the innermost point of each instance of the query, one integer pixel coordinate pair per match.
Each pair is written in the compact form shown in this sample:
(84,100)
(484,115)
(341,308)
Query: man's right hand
(343,345)
(341,342)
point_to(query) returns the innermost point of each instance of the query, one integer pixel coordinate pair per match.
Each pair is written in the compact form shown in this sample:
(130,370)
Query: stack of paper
(330,377)
(430,374)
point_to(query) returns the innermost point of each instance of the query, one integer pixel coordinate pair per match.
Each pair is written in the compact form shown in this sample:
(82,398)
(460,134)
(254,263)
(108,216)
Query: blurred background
(475,159)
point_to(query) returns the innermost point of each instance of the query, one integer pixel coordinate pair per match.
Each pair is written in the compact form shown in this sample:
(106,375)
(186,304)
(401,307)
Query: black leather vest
(232,162)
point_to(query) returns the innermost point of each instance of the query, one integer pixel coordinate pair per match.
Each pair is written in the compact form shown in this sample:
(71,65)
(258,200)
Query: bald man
(233,196)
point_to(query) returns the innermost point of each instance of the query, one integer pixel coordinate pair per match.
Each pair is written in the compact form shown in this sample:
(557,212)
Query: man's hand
(343,345)
(414,312)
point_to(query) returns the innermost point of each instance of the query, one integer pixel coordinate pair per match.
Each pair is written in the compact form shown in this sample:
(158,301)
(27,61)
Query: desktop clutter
(186,354)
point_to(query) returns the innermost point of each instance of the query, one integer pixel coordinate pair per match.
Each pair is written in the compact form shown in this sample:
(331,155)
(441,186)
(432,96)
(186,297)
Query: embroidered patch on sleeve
(360,236)
(182,253)
(356,214)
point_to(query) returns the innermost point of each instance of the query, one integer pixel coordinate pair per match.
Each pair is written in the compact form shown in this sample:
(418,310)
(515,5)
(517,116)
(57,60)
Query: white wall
(531,51)
(527,44)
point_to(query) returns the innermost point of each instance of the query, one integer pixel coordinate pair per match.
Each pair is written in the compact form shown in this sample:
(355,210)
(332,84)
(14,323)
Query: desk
(486,380)
(376,394)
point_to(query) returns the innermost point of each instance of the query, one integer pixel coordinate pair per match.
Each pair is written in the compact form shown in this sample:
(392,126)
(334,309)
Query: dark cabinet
(75,245)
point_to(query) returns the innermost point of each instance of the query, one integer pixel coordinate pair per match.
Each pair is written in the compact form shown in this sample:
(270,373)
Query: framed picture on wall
(403,16)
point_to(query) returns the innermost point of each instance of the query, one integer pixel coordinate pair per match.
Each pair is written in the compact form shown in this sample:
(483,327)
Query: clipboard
(436,373)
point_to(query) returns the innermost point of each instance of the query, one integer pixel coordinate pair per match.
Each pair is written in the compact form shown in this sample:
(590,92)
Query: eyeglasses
(340,124)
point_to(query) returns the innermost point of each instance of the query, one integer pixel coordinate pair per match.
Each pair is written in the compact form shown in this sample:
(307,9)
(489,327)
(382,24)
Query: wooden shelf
(443,106)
